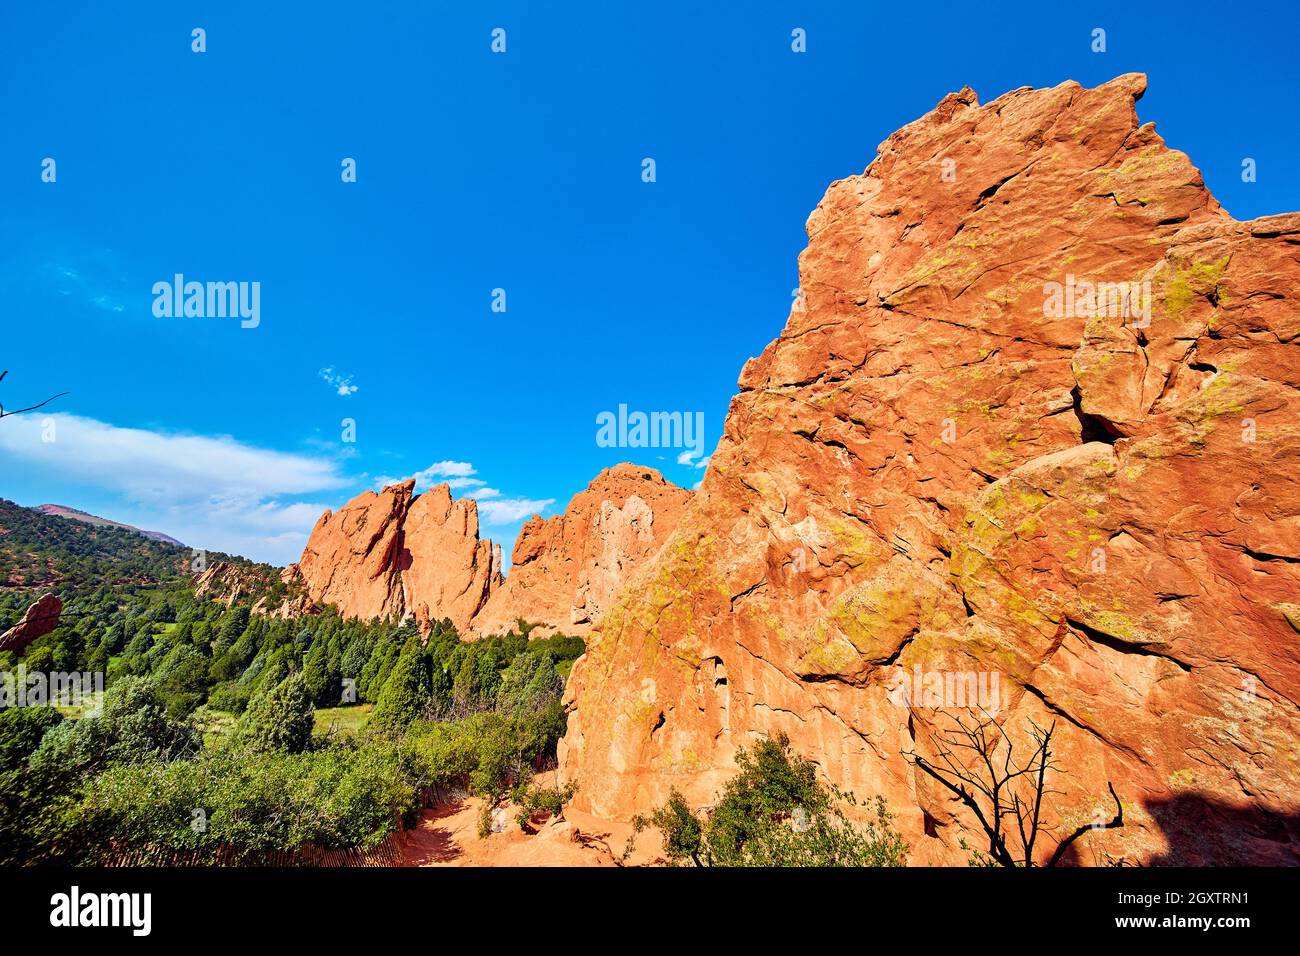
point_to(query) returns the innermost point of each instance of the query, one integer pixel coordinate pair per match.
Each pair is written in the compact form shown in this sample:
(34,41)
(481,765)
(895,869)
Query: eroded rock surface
(395,554)
(41,617)
(567,569)
(943,467)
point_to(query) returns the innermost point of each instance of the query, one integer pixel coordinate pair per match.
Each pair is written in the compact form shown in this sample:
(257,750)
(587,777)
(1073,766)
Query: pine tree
(281,719)
(406,692)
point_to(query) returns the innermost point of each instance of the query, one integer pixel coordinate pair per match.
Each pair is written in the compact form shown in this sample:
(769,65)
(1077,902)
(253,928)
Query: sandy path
(448,836)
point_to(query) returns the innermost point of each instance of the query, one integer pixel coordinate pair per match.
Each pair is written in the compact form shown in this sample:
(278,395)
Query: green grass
(75,713)
(215,725)
(342,720)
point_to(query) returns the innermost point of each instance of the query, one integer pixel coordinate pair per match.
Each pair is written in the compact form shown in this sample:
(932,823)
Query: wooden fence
(387,853)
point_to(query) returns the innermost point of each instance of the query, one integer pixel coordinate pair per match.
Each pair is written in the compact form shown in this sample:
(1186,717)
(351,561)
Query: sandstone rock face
(446,570)
(950,462)
(41,617)
(393,553)
(569,568)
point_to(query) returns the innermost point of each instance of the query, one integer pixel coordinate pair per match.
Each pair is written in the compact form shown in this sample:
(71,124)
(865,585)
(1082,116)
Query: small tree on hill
(405,694)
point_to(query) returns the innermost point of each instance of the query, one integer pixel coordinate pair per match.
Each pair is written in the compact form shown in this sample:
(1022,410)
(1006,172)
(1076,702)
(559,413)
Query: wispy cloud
(501,511)
(493,508)
(455,473)
(209,491)
(688,458)
(89,288)
(342,384)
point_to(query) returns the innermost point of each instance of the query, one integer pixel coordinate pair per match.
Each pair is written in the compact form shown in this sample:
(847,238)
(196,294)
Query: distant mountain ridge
(51,551)
(76,514)
(68,548)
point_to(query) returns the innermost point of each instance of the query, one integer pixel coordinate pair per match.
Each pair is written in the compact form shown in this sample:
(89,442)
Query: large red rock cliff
(393,553)
(567,569)
(951,461)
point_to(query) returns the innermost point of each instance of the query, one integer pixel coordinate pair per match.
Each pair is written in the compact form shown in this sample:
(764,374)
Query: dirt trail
(448,836)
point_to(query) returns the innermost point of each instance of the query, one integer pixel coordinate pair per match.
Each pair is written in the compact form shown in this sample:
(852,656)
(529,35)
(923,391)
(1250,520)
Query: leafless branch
(1009,808)
(29,408)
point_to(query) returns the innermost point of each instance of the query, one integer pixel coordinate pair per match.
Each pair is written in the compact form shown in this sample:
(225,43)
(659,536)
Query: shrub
(252,803)
(487,753)
(550,800)
(229,697)
(21,730)
(279,720)
(771,784)
(775,813)
(133,728)
(680,828)
(35,815)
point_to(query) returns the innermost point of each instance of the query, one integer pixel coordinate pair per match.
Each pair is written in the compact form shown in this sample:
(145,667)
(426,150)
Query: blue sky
(478,171)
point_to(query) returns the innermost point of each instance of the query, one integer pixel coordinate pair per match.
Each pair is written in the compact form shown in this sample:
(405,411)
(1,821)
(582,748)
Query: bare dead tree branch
(1013,793)
(29,408)
(1116,821)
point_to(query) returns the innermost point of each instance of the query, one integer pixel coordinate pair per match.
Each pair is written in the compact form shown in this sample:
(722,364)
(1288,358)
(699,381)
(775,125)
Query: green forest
(222,733)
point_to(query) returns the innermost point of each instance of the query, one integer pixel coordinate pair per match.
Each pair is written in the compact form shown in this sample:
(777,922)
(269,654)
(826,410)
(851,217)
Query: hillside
(75,514)
(40,550)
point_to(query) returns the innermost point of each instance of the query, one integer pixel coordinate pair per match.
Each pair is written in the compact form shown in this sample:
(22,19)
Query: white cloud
(341,384)
(688,458)
(156,466)
(450,469)
(208,491)
(509,510)
(455,473)
(492,507)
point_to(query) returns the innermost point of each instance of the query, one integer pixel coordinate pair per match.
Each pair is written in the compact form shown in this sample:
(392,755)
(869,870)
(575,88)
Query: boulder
(41,617)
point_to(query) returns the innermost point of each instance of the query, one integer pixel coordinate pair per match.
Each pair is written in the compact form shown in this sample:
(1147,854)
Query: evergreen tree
(406,692)
(281,719)
(529,684)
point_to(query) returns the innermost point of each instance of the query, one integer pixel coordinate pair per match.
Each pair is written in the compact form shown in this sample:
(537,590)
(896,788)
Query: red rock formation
(446,570)
(567,569)
(352,558)
(948,463)
(395,554)
(41,617)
